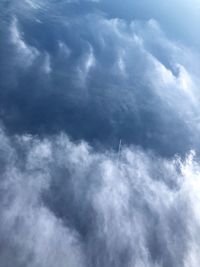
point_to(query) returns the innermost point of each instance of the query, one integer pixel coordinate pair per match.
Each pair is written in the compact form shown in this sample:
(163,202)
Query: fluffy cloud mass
(99,135)
(64,204)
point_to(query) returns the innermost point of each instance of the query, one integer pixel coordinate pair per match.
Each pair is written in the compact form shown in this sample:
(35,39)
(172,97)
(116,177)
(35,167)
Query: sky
(78,78)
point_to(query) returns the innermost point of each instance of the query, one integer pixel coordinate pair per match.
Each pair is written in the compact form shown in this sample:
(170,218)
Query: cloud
(31,235)
(63,203)
(76,77)
(98,78)
(26,53)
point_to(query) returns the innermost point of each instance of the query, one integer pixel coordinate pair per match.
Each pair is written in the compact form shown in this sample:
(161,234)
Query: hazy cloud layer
(67,66)
(64,204)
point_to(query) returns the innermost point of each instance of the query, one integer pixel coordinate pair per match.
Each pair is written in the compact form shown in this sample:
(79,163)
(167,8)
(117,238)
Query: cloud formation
(63,203)
(67,66)
(77,77)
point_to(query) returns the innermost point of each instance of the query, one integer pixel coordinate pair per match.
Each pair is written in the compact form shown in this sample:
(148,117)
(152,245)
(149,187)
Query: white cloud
(32,232)
(141,211)
(85,65)
(26,53)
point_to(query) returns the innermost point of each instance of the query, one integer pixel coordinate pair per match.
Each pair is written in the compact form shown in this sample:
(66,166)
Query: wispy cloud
(109,74)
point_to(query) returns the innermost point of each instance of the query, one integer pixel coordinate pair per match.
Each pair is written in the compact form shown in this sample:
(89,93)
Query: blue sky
(76,77)
(180,19)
